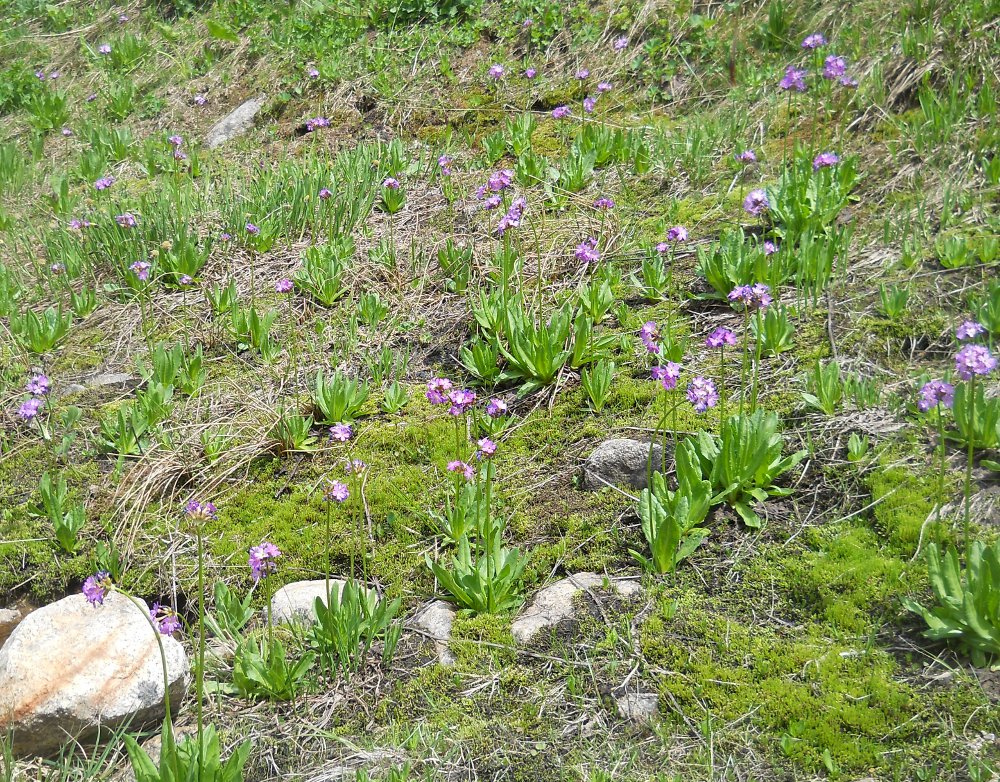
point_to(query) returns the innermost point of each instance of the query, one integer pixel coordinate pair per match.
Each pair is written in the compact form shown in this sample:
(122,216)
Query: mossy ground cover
(776,653)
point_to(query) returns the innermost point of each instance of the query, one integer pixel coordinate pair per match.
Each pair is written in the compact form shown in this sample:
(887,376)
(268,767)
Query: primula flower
(127,220)
(486,447)
(604,86)
(38,385)
(325,193)
(666,375)
(459,466)
(649,334)
(758,295)
(582,74)
(390,183)
(180,155)
(604,203)
(40,74)
(29,409)
(514,215)
(530,73)
(756,203)
(262,560)
(355,466)
(935,393)
(316,122)
(252,229)
(825,159)
(284,285)
(67,132)
(186,279)
(444,163)
(677,234)
(200,511)
(848,81)
(341,433)
(793,79)
(813,41)
(460,400)
(165,619)
(589,104)
(496,408)
(96,587)
(200,100)
(834,67)
(57,268)
(527,23)
(496,72)
(79,223)
(620,43)
(720,337)
(974,360)
(336,492)
(104,48)
(104,183)
(587,251)
(770,248)
(492,202)
(969,329)
(175,141)
(561,112)
(500,180)
(701,393)
(761,295)
(141,270)
(747,156)
(437,390)
(227,237)
(312,73)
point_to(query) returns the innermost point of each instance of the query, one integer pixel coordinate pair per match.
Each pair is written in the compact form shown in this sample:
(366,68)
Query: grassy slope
(781,654)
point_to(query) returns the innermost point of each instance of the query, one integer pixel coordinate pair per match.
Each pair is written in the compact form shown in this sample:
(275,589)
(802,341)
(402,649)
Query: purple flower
(496,72)
(437,390)
(104,48)
(589,104)
(445,163)
(582,74)
(341,433)
(324,193)
(587,251)
(500,180)
(126,220)
(761,295)
(67,132)
(29,409)
(200,511)
(284,285)
(54,75)
(848,81)
(604,203)
(770,248)
(252,229)
(38,385)
(486,447)
(747,156)
(57,268)
(793,79)
(165,619)
(825,159)
(96,587)
(514,215)
(180,155)
(262,560)
(530,73)
(141,269)
(492,202)
(461,400)
(677,234)
(974,360)
(312,73)
(934,393)
(175,141)
(702,394)
(756,202)
(40,74)
(666,375)
(200,99)
(527,23)
(316,122)
(720,337)
(355,466)
(227,237)
(758,295)
(969,329)
(561,112)
(814,41)
(390,183)
(495,408)
(834,67)
(336,492)
(122,18)
(92,97)
(186,279)
(649,334)
(604,86)
(620,43)
(460,466)
(79,223)
(104,183)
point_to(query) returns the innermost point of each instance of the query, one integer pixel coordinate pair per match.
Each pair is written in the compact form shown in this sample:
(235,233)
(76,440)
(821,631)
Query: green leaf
(221,32)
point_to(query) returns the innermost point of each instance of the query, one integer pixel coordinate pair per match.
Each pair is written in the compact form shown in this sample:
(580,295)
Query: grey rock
(237,122)
(554,604)
(9,619)
(620,462)
(70,669)
(294,601)
(638,706)
(436,620)
(122,380)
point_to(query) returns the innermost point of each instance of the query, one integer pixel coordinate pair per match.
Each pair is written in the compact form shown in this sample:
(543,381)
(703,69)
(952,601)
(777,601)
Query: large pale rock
(436,620)
(237,122)
(71,668)
(554,604)
(621,462)
(294,602)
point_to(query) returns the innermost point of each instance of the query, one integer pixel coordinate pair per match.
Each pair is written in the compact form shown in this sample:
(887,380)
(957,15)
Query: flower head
(496,407)
(252,229)
(67,132)
(341,432)
(677,234)
(814,41)
(834,67)
(29,409)
(589,104)
(262,560)
(747,156)
(486,447)
(935,393)
(38,385)
(186,279)
(848,81)
(969,329)
(620,43)
(104,48)
(701,393)
(284,285)
(793,79)
(587,251)
(200,100)
(355,466)
(127,220)
(141,270)
(175,141)
(437,390)
(390,183)
(649,334)
(96,587)
(459,466)
(165,619)
(561,112)
(496,72)
(530,73)
(316,122)
(79,223)
(336,492)
(312,73)
(460,400)
(445,163)
(825,159)
(756,203)
(974,360)
(200,511)
(770,248)
(720,338)
(604,203)
(604,86)
(104,183)
(514,215)
(324,193)
(667,374)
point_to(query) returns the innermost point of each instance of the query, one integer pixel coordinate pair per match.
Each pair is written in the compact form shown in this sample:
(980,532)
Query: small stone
(621,462)
(436,620)
(71,668)
(554,604)
(9,619)
(237,122)
(295,601)
(641,707)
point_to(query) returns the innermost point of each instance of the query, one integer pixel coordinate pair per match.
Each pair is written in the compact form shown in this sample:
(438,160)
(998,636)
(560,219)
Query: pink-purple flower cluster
(165,619)
(757,295)
(649,335)
(701,393)
(96,587)
(467,470)
(756,203)
(794,79)
(336,491)
(969,329)
(514,215)
(341,433)
(825,160)
(587,251)
(316,122)
(666,374)
(934,393)
(720,338)
(200,511)
(262,560)
(974,360)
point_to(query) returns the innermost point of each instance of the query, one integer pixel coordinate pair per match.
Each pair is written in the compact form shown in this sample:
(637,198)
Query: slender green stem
(968,466)
(746,353)
(200,670)
(941,473)
(722,386)
(756,365)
